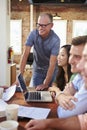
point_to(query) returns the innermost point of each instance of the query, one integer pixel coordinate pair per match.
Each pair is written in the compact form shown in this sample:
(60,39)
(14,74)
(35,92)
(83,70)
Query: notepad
(33,112)
(9,92)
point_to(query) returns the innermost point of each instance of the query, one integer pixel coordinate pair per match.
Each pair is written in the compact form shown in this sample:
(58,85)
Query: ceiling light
(56,16)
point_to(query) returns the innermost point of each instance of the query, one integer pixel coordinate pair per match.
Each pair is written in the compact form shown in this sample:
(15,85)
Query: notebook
(33,96)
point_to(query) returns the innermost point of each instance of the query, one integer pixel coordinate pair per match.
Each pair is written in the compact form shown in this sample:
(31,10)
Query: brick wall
(21,10)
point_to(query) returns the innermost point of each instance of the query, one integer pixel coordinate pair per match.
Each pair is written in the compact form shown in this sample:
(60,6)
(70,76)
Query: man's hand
(4,86)
(16,83)
(35,125)
(42,87)
(65,101)
(53,90)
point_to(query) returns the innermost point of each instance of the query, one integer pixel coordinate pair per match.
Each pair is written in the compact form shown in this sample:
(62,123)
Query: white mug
(12,112)
(9,125)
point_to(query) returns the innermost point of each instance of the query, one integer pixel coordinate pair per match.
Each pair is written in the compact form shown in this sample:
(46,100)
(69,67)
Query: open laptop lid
(45,95)
(22,83)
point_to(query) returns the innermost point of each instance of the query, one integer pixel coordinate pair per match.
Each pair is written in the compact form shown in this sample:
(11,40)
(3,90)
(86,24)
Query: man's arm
(24,58)
(4,86)
(53,60)
(81,95)
(49,75)
(69,89)
(64,98)
(83,121)
(65,101)
(71,123)
(54,89)
(23,61)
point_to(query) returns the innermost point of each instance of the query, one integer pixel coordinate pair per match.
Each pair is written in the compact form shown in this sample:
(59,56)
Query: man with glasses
(46,46)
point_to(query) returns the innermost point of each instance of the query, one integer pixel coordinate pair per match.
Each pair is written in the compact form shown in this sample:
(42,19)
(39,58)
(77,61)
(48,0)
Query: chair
(30,59)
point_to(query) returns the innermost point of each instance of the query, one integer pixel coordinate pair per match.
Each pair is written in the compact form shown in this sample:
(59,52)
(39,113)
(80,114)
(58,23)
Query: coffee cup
(12,112)
(9,125)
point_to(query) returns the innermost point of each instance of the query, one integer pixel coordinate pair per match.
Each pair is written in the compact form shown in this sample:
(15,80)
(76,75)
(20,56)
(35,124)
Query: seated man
(70,123)
(76,88)
(72,87)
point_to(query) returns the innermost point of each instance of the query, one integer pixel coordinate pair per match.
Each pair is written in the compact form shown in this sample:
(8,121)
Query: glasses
(42,25)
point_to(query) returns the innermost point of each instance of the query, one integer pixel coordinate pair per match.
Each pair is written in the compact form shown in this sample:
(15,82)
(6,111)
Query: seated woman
(64,71)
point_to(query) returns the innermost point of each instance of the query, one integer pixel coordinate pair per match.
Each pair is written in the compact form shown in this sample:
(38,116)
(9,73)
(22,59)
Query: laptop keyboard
(34,95)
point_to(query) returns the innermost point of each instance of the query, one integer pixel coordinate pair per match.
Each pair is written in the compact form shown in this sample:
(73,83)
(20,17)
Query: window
(16,35)
(60,28)
(79,27)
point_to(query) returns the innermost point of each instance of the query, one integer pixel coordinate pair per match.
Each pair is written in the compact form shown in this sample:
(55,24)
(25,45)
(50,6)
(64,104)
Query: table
(19,99)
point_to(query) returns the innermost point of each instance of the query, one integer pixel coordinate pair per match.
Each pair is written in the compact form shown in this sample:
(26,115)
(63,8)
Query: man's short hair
(79,40)
(49,15)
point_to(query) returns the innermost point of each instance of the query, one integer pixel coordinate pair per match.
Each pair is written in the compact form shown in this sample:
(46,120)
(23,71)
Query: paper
(2,104)
(7,95)
(33,112)
(2,108)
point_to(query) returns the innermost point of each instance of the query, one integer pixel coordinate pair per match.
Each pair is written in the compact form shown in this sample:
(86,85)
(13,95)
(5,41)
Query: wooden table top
(18,99)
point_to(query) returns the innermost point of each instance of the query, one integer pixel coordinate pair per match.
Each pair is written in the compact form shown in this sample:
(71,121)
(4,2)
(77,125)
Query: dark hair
(60,79)
(49,15)
(79,40)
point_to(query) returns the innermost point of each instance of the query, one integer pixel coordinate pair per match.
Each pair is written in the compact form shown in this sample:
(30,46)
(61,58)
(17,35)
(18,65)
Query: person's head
(77,46)
(63,56)
(82,65)
(63,66)
(44,24)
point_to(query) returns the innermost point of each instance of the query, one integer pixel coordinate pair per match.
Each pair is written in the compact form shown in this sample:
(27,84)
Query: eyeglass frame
(42,25)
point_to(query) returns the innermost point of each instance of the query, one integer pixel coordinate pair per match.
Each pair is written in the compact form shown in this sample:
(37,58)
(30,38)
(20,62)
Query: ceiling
(57,1)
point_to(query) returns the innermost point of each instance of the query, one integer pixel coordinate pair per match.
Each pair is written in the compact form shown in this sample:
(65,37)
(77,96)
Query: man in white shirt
(68,105)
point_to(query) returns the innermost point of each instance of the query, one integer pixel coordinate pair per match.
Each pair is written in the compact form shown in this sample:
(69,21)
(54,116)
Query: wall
(21,10)
(4,41)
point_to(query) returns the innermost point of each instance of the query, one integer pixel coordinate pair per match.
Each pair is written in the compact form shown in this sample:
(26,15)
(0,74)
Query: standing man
(46,46)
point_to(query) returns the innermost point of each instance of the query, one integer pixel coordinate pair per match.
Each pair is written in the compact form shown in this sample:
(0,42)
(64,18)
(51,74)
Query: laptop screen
(22,82)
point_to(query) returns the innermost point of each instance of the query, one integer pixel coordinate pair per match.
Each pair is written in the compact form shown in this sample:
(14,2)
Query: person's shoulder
(54,34)
(73,76)
(33,31)
(78,76)
(78,79)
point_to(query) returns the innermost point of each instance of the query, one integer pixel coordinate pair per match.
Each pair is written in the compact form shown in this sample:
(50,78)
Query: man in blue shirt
(46,46)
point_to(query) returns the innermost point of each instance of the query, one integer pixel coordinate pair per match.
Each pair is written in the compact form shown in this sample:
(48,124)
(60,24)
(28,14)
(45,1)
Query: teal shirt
(73,76)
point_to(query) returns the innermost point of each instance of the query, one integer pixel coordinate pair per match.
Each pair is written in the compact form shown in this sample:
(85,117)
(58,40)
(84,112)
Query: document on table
(33,112)
(9,92)
(3,105)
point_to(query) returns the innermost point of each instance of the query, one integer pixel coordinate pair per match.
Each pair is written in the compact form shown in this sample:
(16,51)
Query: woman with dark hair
(64,71)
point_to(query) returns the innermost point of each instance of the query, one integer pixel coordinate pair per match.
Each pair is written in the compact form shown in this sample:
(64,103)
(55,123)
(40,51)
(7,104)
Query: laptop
(33,95)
